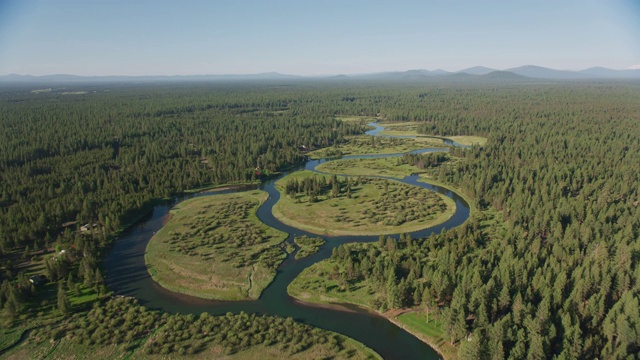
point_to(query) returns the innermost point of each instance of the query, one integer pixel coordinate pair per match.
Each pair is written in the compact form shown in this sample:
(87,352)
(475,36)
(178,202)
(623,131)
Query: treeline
(318,185)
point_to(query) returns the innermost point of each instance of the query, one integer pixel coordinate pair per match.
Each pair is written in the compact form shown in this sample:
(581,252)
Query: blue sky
(312,37)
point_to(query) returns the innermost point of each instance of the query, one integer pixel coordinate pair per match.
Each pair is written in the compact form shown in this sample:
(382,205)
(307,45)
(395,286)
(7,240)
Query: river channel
(127,274)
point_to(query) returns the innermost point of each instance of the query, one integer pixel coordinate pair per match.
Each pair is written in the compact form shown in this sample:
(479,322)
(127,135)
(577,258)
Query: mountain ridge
(525,71)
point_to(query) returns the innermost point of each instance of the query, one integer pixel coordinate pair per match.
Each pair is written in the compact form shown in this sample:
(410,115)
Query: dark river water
(127,275)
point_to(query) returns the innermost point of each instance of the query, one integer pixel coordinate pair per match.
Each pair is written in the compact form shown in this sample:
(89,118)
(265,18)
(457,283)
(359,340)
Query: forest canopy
(561,167)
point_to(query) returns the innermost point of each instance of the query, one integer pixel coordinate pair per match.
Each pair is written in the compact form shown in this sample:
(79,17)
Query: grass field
(215,247)
(409,129)
(431,332)
(468,140)
(389,167)
(373,206)
(401,129)
(367,145)
(355,118)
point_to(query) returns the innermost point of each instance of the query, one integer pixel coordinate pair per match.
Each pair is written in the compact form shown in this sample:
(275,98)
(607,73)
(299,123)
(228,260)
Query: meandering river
(127,275)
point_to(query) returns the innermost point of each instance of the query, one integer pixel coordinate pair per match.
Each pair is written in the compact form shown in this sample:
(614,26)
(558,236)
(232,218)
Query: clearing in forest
(410,129)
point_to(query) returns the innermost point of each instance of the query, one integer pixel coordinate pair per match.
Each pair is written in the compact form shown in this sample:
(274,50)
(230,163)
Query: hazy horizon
(312,39)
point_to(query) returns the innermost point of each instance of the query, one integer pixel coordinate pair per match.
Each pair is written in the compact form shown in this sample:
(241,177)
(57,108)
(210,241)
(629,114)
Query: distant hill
(600,72)
(477,70)
(504,75)
(539,72)
(64,78)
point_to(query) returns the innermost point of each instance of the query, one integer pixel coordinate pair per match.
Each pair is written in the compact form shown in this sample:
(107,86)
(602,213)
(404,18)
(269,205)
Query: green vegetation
(468,140)
(215,247)
(331,205)
(552,271)
(400,129)
(417,129)
(395,167)
(429,330)
(121,327)
(392,275)
(363,120)
(366,144)
(389,167)
(308,245)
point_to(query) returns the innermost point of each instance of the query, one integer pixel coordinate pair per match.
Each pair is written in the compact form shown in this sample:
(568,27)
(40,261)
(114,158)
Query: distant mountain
(600,72)
(504,75)
(539,72)
(64,78)
(477,70)
(440,72)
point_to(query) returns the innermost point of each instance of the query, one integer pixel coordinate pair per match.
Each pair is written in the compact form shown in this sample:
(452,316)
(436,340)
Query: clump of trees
(122,321)
(425,161)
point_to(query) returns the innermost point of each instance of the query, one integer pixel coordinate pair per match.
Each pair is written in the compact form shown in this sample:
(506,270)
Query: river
(127,275)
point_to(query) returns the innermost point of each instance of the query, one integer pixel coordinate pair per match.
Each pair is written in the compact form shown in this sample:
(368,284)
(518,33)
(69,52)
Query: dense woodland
(558,276)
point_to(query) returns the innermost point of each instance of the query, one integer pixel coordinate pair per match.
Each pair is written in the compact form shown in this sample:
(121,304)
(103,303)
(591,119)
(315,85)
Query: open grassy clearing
(468,140)
(368,144)
(431,332)
(215,247)
(308,245)
(355,118)
(357,206)
(396,167)
(410,129)
(389,167)
(401,129)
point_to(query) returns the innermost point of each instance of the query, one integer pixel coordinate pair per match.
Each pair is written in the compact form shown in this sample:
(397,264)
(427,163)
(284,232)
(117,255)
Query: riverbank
(445,350)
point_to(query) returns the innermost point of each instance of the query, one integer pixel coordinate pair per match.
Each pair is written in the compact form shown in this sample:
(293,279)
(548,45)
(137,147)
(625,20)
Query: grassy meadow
(215,247)
(429,331)
(368,207)
(389,167)
(409,129)
(367,145)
